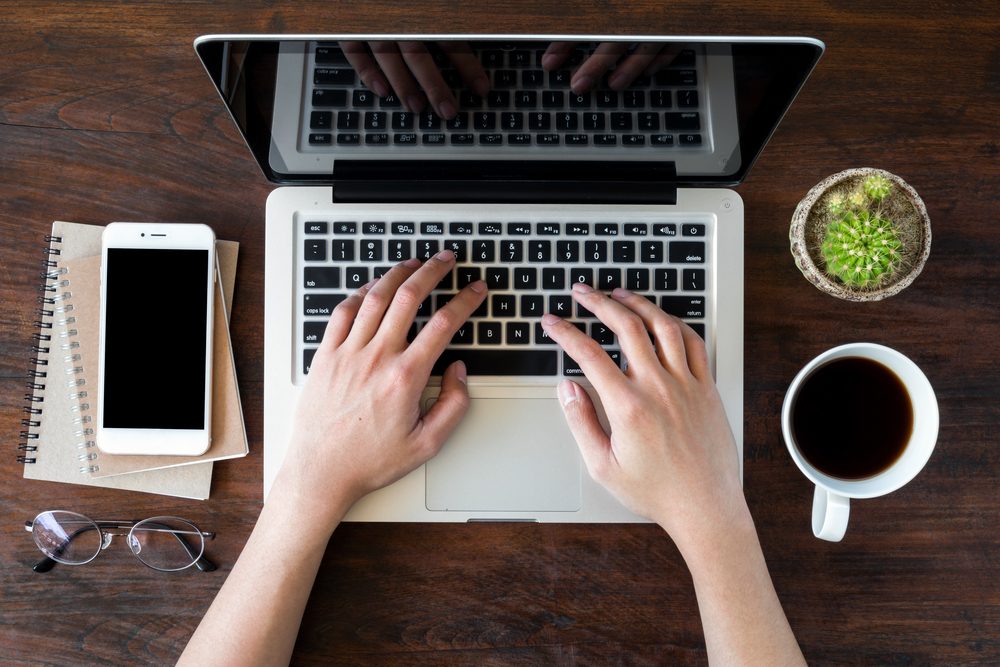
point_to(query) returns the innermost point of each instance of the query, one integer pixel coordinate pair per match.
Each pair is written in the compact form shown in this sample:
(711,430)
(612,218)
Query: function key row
(519,139)
(512,228)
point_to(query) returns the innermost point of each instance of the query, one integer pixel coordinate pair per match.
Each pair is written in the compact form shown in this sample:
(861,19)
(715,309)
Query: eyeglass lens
(67,537)
(166,543)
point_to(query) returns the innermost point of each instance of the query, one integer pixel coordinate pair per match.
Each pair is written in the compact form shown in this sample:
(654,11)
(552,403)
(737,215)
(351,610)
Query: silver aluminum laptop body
(512,458)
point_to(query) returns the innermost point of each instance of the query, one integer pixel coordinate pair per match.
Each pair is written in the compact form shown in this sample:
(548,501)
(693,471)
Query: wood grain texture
(106,115)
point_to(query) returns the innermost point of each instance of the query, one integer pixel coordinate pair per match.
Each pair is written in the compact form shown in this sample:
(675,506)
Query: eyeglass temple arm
(202,563)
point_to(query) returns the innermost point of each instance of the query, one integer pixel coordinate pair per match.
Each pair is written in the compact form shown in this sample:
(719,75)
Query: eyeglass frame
(106,526)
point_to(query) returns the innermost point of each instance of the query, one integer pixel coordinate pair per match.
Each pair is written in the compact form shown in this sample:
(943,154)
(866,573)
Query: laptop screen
(704,107)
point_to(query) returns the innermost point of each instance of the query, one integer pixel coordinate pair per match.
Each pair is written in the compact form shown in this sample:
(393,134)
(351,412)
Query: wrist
(310,512)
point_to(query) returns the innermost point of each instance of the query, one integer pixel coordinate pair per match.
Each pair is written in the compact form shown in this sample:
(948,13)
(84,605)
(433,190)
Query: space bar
(501,362)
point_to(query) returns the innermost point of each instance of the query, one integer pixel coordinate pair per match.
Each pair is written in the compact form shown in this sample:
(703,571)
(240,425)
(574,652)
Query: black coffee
(852,418)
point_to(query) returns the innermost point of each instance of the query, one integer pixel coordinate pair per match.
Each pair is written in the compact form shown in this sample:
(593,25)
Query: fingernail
(447,110)
(549,318)
(412,263)
(478,287)
(445,256)
(461,373)
(620,293)
(568,392)
(379,88)
(582,288)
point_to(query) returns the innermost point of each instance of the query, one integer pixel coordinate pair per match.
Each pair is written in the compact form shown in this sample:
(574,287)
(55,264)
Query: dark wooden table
(105,114)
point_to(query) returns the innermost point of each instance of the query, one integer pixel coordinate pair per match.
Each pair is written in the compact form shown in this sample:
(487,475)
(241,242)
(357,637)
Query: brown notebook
(58,442)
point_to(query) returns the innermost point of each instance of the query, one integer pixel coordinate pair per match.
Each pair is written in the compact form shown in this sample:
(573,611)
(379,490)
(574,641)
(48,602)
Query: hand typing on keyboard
(359,426)
(629,62)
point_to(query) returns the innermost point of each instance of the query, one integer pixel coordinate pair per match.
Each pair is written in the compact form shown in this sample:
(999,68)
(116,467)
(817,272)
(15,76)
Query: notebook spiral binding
(54,312)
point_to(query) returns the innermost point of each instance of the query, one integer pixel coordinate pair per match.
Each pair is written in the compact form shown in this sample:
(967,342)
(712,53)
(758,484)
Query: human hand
(358,425)
(645,58)
(670,455)
(389,66)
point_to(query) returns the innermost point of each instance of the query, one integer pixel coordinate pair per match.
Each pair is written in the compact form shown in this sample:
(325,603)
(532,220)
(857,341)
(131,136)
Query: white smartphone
(155,372)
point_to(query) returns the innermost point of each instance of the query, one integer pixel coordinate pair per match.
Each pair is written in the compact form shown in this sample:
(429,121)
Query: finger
(435,336)
(364,65)
(375,303)
(449,408)
(342,318)
(581,417)
(468,66)
(697,355)
(389,59)
(670,344)
(556,55)
(595,363)
(406,302)
(422,65)
(633,65)
(633,336)
(593,68)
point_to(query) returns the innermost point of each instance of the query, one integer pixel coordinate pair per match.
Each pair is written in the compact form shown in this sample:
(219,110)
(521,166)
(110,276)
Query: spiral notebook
(57,440)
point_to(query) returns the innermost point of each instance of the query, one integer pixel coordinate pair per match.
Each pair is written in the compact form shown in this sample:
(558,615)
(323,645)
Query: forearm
(255,617)
(742,617)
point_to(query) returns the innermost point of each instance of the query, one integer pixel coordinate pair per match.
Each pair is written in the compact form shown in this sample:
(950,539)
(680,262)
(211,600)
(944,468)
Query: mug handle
(830,515)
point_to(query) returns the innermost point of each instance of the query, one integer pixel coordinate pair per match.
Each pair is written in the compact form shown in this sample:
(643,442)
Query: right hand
(670,455)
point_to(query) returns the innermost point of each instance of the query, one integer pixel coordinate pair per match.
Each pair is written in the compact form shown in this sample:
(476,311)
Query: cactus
(861,246)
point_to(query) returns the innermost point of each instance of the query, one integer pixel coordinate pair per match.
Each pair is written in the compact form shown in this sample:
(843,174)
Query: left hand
(359,425)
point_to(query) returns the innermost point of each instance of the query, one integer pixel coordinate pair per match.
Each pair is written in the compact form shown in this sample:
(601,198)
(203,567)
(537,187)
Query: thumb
(449,408)
(594,444)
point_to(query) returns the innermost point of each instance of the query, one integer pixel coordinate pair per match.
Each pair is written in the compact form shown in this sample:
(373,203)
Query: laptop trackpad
(507,455)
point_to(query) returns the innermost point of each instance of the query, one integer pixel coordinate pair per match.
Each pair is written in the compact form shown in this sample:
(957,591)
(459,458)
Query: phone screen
(154,342)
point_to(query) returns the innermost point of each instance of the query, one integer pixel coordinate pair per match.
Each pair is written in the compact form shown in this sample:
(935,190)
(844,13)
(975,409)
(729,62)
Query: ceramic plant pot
(812,218)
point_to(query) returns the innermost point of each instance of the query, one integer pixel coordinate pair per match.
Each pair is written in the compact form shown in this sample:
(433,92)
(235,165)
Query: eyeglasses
(164,543)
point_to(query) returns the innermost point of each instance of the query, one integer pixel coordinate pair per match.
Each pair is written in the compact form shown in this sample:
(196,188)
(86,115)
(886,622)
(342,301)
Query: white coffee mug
(831,500)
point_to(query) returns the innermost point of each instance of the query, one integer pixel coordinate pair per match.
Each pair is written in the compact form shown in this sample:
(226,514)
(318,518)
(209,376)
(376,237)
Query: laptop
(535,183)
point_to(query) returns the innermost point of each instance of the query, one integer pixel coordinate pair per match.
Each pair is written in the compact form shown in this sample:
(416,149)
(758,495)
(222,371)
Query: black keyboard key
(399,250)
(699,328)
(683,306)
(328,76)
(316,228)
(539,120)
(403,120)
(498,99)
(315,250)
(363,99)
(636,229)
(525,278)
(694,280)
(518,333)
(307,357)
(687,98)
(690,139)
(690,229)
(463,139)
(329,98)
(519,139)
(492,139)
(567,251)
(330,55)
(483,251)
(561,305)
(512,121)
(459,122)
(579,100)
(532,305)
(651,252)
(372,228)
(512,251)
(468,275)
(605,140)
(533,78)
(606,99)
(553,279)
(623,252)
(348,120)
(484,120)
(379,139)
(542,336)
(553,99)
(660,99)
(593,121)
(609,279)
(490,229)
(504,78)
(633,99)
(637,280)
(312,332)
(489,333)
(459,247)
(682,121)
(321,305)
(581,275)
(633,140)
(498,277)
(375,120)
(321,277)
(595,251)
(621,121)
(560,78)
(355,277)
(665,280)
(403,228)
(390,102)
(503,304)
(567,121)
(525,99)
(380,271)
(548,229)
(519,228)
(348,139)
(687,252)
(648,122)
(460,228)
(661,140)
(469,100)
(602,334)
(577,139)
(427,249)
(500,362)
(405,139)
(432,228)
(547,139)
(430,121)
(606,229)
(321,120)
(464,335)
(539,251)
(664,229)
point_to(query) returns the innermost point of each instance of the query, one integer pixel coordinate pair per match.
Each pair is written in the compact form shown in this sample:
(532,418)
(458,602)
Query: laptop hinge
(504,181)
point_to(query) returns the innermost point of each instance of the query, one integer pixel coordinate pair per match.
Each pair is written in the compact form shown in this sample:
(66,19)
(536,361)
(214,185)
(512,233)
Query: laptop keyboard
(529,267)
(526,106)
